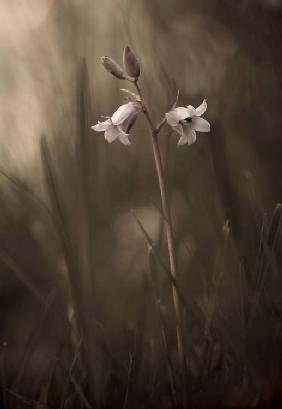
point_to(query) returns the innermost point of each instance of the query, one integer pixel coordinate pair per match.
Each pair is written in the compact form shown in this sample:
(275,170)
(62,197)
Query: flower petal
(191,136)
(191,110)
(101,126)
(178,129)
(188,136)
(111,133)
(126,111)
(202,108)
(183,140)
(123,138)
(177,114)
(128,123)
(200,124)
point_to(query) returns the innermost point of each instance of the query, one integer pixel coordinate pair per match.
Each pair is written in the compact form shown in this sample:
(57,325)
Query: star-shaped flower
(186,121)
(120,123)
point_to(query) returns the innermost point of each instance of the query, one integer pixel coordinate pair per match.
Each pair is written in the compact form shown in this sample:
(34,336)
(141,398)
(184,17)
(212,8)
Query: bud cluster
(130,63)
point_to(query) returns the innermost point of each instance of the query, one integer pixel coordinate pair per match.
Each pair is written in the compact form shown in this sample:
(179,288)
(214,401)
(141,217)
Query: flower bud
(130,62)
(113,67)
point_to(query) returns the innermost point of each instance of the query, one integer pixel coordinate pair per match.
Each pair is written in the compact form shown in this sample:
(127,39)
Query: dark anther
(188,119)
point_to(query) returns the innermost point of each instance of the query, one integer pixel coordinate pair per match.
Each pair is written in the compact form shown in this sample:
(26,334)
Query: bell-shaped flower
(120,123)
(186,121)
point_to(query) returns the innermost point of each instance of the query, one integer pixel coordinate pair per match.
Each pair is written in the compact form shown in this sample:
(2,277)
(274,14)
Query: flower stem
(168,226)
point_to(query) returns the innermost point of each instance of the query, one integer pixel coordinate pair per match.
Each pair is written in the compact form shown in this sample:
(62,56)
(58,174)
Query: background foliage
(78,322)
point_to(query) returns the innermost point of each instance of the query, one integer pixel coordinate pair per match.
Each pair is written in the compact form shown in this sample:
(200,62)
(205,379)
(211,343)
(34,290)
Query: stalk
(168,227)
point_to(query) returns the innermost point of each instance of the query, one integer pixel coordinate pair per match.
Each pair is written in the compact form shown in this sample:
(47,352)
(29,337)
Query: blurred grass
(86,317)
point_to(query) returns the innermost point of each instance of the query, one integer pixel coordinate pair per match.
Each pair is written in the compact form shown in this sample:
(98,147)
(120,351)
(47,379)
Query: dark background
(74,271)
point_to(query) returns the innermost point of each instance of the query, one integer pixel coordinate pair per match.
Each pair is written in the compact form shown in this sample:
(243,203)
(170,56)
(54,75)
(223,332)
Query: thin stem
(168,227)
(157,297)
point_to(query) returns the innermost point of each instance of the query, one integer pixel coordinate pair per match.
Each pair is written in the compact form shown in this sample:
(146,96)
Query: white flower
(186,121)
(119,125)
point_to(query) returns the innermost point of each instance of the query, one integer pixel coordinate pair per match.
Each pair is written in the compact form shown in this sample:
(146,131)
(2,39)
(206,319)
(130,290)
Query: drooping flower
(120,123)
(186,121)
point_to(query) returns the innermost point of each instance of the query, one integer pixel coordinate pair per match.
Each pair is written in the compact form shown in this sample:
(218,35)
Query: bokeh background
(77,310)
